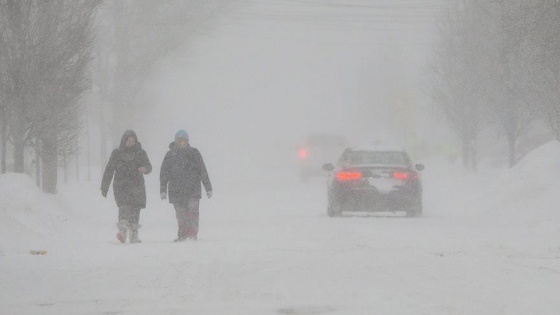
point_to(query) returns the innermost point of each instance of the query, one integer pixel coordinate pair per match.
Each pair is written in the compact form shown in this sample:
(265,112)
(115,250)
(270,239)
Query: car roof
(326,139)
(377,148)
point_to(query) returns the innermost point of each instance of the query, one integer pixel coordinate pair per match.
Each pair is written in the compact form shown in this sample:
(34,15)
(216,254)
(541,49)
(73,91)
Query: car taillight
(405,175)
(400,175)
(348,176)
(302,153)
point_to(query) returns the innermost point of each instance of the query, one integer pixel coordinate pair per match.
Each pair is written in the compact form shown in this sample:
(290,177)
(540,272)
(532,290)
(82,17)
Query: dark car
(374,179)
(316,150)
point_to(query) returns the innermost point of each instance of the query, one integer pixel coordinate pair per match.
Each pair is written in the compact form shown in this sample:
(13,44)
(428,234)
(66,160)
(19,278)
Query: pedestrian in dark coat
(128,164)
(182,173)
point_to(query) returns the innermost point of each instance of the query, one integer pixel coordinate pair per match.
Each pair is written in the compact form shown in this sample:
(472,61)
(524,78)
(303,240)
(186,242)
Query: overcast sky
(271,72)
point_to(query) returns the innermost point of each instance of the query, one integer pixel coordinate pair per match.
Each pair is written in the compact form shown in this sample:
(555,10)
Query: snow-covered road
(273,250)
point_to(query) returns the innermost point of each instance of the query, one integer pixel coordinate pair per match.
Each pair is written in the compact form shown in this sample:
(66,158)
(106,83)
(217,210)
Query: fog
(269,73)
(249,80)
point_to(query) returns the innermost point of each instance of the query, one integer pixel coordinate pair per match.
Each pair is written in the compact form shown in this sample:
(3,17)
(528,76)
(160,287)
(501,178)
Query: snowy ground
(488,244)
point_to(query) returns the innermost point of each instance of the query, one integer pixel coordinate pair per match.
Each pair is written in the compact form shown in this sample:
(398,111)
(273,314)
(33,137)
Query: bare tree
(66,82)
(134,36)
(3,109)
(47,49)
(502,89)
(483,59)
(538,24)
(13,53)
(3,118)
(455,79)
(3,135)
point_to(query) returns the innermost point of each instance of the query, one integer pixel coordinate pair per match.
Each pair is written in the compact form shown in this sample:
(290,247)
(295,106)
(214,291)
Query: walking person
(181,175)
(128,164)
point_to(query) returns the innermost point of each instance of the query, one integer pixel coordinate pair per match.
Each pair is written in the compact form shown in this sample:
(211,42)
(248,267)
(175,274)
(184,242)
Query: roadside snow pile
(25,211)
(529,191)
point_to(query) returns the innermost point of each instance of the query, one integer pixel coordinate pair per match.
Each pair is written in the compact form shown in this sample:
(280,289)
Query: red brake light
(405,175)
(348,176)
(400,175)
(302,153)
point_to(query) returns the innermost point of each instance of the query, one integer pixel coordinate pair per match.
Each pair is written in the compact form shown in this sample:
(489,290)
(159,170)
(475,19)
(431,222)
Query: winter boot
(134,233)
(192,233)
(123,230)
(180,239)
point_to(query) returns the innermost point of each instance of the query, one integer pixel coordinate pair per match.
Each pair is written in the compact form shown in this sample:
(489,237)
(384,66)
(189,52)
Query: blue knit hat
(181,134)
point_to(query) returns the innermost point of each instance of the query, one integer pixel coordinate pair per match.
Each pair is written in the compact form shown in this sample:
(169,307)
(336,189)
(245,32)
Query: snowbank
(528,192)
(25,208)
(26,213)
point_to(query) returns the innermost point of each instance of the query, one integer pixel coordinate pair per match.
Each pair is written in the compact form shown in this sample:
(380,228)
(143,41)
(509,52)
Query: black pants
(129,214)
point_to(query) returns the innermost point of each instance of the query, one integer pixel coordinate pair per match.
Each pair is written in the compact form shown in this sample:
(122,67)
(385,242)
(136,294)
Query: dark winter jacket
(182,171)
(124,163)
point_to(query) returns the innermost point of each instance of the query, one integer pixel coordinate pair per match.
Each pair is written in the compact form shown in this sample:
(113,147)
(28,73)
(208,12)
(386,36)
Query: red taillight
(405,175)
(400,175)
(348,176)
(302,153)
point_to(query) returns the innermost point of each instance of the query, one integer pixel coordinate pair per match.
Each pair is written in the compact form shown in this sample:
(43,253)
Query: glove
(163,196)
(104,193)
(209,194)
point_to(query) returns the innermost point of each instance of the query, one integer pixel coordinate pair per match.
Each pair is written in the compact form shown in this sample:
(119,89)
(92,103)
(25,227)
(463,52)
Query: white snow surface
(489,243)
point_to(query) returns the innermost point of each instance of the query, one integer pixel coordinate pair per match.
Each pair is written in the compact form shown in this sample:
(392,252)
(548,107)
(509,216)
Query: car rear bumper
(373,200)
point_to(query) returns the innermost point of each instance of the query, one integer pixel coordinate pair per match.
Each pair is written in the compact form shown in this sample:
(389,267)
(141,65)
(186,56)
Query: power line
(343,12)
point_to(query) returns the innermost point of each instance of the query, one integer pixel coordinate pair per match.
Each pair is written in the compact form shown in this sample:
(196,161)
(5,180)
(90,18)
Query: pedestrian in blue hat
(181,175)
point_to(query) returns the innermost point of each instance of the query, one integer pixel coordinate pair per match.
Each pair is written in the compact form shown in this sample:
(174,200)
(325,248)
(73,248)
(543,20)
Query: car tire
(416,212)
(332,212)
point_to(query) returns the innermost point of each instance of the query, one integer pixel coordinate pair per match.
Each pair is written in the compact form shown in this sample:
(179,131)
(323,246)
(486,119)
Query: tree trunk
(103,137)
(4,151)
(511,150)
(18,137)
(474,161)
(50,167)
(19,157)
(466,153)
(3,140)
(65,165)
(469,154)
(38,165)
(77,166)
(88,155)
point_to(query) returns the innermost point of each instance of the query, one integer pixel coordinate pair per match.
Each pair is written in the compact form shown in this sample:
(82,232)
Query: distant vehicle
(316,150)
(374,179)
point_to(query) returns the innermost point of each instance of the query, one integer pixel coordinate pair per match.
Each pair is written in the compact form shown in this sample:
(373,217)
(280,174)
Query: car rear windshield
(325,141)
(377,157)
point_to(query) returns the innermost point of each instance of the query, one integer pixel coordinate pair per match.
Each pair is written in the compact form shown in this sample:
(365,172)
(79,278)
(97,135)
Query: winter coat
(182,171)
(128,186)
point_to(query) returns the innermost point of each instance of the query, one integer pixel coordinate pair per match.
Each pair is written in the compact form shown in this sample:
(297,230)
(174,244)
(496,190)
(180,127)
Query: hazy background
(271,72)
(249,80)
(469,80)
